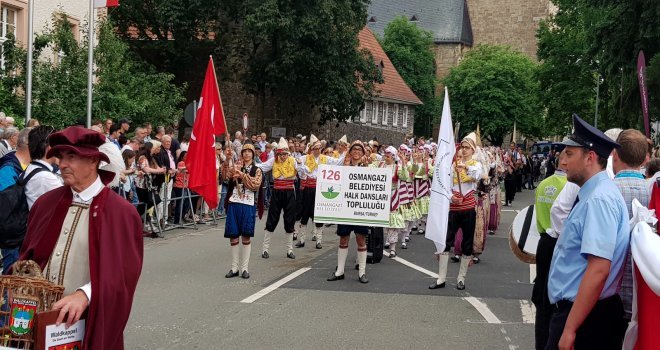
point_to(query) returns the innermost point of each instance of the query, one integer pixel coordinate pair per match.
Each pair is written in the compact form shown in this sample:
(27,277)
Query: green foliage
(10,103)
(567,76)
(305,54)
(299,56)
(606,35)
(411,51)
(125,87)
(128,88)
(494,86)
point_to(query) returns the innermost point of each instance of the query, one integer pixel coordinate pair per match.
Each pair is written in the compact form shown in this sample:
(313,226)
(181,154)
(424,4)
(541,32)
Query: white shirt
(561,208)
(86,197)
(41,182)
(651,181)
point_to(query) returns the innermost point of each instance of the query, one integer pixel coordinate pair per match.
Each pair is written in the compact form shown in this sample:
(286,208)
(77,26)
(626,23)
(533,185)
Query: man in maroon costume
(88,239)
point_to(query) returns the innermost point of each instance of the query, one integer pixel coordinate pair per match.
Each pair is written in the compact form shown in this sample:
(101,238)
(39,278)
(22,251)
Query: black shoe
(290,255)
(392,254)
(295,236)
(363,279)
(420,232)
(476,260)
(455,258)
(491,232)
(357,266)
(300,245)
(335,277)
(245,274)
(460,285)
(313,238)
(265,255)
(231,274)
(318,245)
(435,285)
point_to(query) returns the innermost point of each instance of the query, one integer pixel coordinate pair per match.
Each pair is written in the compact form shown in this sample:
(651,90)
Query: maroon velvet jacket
(115,257)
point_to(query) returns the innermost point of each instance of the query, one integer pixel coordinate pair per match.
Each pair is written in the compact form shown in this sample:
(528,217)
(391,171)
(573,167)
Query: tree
(304,56)
(299,56)
(590,39)
(411,51)
(125,86)
(568,74)
(493,87)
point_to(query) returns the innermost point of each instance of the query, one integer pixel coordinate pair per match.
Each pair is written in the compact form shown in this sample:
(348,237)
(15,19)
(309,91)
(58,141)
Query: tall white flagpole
(28,83)
(441,187)
(90,62)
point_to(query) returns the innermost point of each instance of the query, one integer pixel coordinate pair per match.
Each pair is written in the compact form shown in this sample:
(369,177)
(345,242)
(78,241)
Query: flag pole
(218,87)
(28,83)
(90,63)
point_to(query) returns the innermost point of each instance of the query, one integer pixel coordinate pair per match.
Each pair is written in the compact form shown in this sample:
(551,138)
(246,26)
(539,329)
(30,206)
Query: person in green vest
(546,194)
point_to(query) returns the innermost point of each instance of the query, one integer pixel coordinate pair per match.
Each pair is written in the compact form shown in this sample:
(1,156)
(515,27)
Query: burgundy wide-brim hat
(83,142)
(78,140)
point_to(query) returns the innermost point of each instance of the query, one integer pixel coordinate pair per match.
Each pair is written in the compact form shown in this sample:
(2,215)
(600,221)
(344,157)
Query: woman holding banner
(356,157)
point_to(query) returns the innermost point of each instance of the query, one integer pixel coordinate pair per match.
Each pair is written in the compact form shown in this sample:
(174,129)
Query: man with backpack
(44,179)
(13,215)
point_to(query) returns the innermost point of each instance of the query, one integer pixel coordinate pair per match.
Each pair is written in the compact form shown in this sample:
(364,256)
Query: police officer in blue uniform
(587,264)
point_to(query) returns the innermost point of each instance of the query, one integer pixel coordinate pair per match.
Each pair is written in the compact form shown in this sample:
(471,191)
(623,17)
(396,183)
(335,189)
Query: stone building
(458,25)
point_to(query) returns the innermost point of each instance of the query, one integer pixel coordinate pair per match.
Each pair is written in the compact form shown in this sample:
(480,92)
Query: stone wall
(508,22)
(446,57)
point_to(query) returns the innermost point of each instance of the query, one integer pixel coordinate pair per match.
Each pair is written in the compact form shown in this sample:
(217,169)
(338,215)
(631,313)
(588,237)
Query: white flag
(436,224)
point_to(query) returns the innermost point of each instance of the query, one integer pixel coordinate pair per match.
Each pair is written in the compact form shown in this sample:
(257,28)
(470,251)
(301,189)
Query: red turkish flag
(209,122)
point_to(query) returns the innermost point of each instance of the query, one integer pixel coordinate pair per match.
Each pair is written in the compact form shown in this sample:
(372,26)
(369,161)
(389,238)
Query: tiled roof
(448,20)
(394,87)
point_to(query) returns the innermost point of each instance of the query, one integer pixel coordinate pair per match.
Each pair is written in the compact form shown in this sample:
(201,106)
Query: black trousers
(510,187)
(600,330)
(299,200)
(465,220)
(282,200)
(540,292)
(308,200)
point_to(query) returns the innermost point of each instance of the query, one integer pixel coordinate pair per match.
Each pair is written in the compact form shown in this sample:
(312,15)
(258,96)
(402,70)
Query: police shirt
(598,226)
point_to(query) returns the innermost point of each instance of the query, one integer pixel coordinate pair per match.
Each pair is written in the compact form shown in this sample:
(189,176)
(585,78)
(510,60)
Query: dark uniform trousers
(465,220)
(600,330)
(282,200)
(308,203)
(540,299)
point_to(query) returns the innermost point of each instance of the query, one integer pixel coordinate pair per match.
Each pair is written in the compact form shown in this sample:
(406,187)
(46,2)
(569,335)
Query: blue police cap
(585,135)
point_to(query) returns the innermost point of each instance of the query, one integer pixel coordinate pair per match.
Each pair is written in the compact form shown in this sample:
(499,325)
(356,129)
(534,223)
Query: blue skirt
(240,220)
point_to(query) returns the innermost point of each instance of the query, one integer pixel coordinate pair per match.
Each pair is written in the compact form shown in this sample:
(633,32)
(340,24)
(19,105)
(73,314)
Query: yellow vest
(310,162)
(286,169)
(463,173)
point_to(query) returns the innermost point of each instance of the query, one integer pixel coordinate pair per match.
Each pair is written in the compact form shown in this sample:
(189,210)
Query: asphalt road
(184,301)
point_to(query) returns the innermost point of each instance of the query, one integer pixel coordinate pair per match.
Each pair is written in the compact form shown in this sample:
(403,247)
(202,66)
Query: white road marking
(513,347)
(412,266)
(481,307)
(508,210)
(483,310)
(517,211)
(260,294)
(528,311)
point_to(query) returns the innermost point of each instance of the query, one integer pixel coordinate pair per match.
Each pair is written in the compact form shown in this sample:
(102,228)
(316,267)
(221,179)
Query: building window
(404,118)
(388,112)
(381,112)
(363,114)
(397,113)
(8,19)
(369,108)
(374,116)
(411,116)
